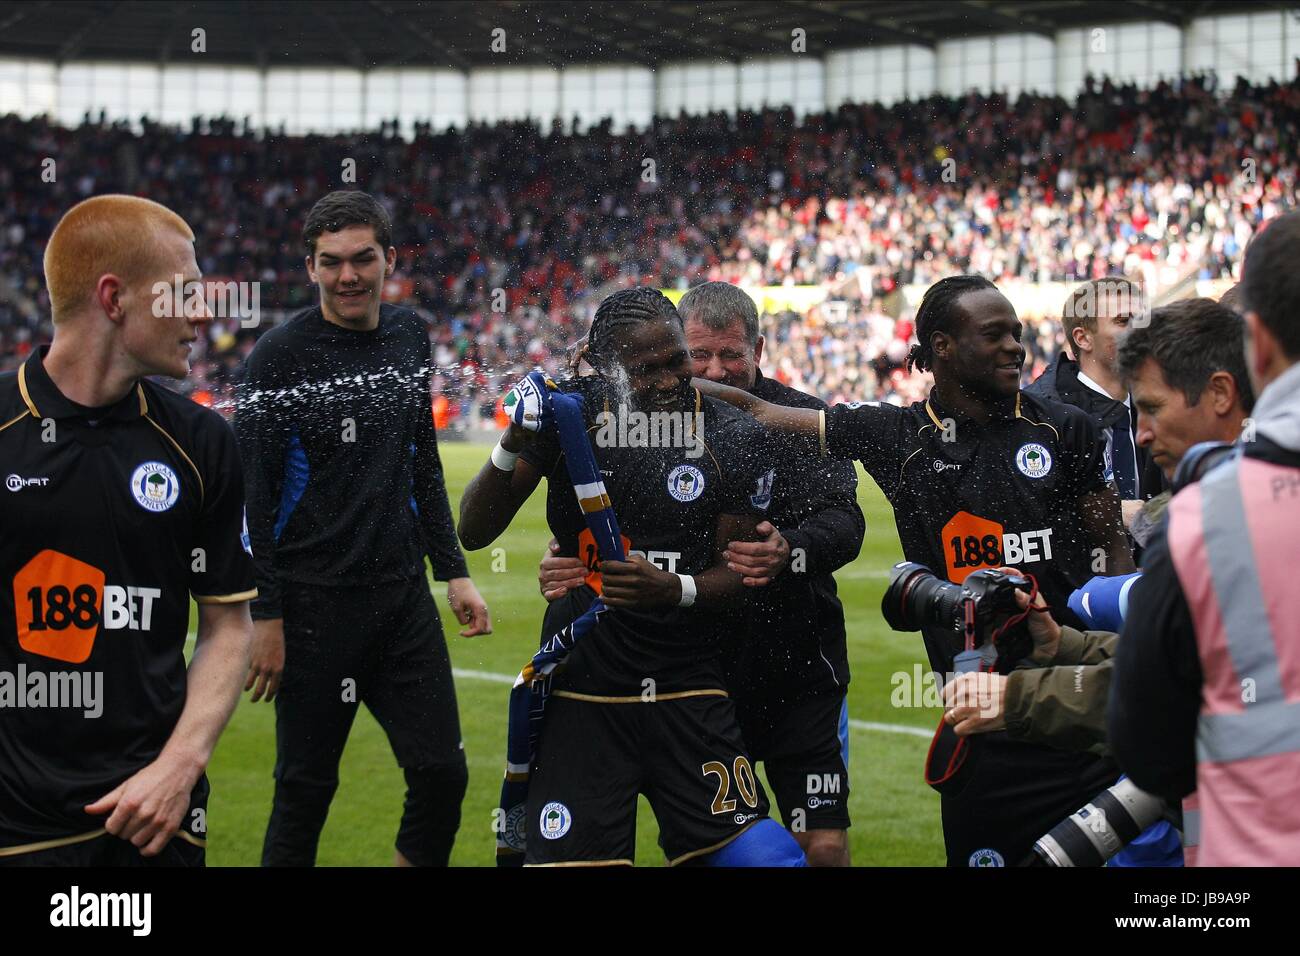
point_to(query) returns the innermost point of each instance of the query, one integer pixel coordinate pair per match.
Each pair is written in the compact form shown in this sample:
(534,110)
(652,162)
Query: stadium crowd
(862,201)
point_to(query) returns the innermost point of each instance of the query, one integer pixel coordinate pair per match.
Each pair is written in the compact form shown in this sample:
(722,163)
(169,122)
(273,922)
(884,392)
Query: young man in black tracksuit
(346,499)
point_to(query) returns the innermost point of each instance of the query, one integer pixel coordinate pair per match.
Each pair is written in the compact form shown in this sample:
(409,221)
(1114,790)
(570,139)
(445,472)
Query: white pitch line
(870,725)
(855,724)
(891,728)
(482,675)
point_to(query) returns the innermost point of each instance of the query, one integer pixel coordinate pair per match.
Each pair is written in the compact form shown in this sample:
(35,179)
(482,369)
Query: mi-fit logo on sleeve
(76,909)
(18,482)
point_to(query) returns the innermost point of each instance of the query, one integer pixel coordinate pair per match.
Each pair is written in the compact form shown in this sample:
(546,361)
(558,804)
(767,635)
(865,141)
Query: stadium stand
(856,202)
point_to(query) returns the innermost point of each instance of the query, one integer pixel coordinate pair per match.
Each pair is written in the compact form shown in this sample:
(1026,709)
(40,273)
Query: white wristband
(503,460)
(688,590)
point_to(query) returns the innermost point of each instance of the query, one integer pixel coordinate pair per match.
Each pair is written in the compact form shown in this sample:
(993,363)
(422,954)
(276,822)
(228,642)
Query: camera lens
(1101,829)
(916,597)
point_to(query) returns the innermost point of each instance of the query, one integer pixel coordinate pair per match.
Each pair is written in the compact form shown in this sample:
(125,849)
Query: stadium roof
(376,33)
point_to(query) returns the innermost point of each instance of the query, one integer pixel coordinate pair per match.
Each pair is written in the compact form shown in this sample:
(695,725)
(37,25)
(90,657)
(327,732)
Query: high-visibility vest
(1191,829)
(1235,542)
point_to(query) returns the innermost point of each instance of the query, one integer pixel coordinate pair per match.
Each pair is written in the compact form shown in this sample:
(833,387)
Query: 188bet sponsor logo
(61,603)
(971,543)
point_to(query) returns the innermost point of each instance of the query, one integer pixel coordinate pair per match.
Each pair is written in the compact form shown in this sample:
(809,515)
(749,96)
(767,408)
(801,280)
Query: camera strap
(1010,624)
(950,760)
(946,762)
(968,623)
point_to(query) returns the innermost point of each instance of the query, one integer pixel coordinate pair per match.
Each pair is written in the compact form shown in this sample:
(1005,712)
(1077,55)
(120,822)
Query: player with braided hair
(639,705)
(936,314)
(981,474)
(622,311)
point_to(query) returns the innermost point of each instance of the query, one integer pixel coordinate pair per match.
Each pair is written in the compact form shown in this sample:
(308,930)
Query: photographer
(1186,368)
(1208,670)
(1056,696)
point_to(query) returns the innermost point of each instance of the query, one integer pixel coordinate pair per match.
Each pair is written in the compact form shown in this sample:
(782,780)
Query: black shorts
(804,748)
(108,850)
(594,758)
(378,645)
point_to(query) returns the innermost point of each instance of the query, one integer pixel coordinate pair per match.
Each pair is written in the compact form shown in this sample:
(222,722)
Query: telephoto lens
(1105,826)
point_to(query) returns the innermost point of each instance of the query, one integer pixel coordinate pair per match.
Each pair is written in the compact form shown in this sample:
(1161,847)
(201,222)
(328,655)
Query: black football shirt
(968,495)
(667,500)
(112,519)
(794,645)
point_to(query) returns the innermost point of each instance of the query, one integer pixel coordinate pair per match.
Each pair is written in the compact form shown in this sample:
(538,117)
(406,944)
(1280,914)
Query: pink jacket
(1235,543)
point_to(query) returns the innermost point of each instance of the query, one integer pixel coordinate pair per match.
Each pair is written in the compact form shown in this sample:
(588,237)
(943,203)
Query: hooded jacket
(1064,703)
(1156,696)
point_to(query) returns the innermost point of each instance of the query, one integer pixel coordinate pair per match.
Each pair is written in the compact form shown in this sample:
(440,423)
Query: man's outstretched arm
(801,422)
(1101,515)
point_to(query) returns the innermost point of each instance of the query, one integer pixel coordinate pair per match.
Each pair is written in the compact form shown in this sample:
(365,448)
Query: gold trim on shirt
(676,695)
(225,598)
(584,863)
(51,844)
(175,444)
(1032,422)
(84,838)
(17,418)
(22,388)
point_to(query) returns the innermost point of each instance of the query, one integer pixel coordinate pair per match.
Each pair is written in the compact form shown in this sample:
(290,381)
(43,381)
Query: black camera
(917,597)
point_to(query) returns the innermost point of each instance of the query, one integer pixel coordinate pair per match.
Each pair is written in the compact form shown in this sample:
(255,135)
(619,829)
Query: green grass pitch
(895,815)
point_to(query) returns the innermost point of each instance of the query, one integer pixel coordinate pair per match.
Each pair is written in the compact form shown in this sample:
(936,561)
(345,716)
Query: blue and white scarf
(539,398)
